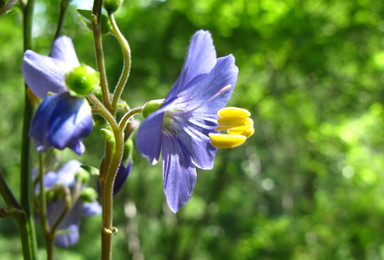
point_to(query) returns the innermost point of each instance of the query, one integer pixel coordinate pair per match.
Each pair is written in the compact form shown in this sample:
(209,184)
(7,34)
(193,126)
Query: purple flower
(121,177)
(61,120)
(68,229)
(44,74)
(181,126)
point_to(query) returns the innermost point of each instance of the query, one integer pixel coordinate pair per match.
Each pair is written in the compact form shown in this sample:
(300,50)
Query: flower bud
(152,106)
(88,194)
(112,6)
(107,135)
(82,80)
(128,149)
(83,176)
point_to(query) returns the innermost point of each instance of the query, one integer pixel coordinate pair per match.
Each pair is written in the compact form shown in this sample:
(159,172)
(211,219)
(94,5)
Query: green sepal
(86,17)
(152,106)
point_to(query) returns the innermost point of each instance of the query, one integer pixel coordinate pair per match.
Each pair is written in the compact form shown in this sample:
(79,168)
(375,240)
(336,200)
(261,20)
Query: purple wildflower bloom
(61,120)
(181,126)
(44,74)
(121,177)
(69,227)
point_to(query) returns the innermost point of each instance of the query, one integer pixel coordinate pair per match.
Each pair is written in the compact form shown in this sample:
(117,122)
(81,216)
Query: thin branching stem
(126,66)
(96,27)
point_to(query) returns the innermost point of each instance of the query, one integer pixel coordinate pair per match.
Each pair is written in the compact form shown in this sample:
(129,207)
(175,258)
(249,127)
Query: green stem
(7,194)
(126,66)
(26,223)
(49,247)
(107,179)
(96,27)
(64,212)
(63,8)
(124,120)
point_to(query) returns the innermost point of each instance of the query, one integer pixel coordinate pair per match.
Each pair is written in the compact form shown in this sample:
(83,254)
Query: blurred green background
(309,183)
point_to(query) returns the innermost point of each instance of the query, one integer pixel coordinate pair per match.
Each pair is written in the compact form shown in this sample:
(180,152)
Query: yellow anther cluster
(238,124)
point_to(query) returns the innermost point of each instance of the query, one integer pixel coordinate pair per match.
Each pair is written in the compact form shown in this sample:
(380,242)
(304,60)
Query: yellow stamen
(242,130)
(233,111)
(226,140)
(231,122)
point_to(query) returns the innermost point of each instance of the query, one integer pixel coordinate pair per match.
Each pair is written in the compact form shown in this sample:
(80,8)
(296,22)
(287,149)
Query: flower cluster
(184,127)
(80,203)
(62,120)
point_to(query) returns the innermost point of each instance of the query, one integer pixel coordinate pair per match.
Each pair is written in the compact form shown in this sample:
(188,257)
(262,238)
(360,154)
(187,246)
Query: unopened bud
(128,149)
(107,135)
(152,106)
(83,176)
(88,194)
(112,6)
(82,80)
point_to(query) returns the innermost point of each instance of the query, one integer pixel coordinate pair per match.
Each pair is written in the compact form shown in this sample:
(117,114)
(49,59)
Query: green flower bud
(128,149)
(107,135)
(88,194)
(83,176)
(152,106)
(111,6)
(82,80)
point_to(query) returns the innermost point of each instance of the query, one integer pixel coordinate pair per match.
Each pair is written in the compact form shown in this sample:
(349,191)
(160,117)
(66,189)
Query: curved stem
(96,27)
(107,179)
(107,196)
(126,66)
(124,120)
(49,247)
(67,207)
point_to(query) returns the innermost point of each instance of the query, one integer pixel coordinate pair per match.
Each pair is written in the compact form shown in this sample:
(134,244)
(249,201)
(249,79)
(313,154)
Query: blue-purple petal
(63,49)
(68,236)
(66,174)
(196,142)
(179,174)
(200,59)
(62,121)
(44,74)
(39,125)
(148,138)
(202,96)
(121,177)
(90,209)
(69,227)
